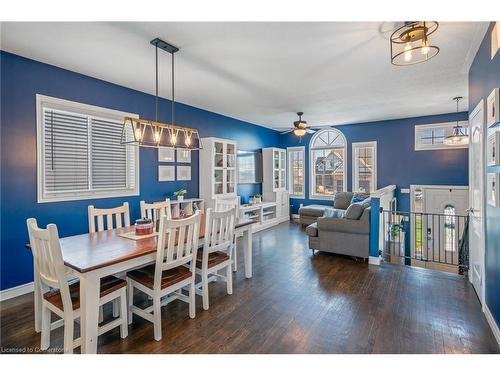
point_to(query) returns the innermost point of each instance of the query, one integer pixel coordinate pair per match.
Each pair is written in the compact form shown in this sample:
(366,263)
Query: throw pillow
(331,212)
(359,197)
(354,212)
(342,200)
(366,203)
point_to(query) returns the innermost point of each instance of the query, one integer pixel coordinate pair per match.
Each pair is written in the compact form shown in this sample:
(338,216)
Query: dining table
(92,256)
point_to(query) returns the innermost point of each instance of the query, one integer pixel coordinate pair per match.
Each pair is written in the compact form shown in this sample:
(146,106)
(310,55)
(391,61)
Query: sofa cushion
(359,197)
(333,212)
(312,230)
(315,210)
(342,200)
(354,212)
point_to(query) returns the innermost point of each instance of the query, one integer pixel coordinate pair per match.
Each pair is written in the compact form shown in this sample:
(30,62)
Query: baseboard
(16,291)
(493,323)
(374,260)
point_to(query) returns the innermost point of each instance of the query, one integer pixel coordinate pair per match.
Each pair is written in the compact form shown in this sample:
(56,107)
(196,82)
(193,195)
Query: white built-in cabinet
(217,169)
(274,180)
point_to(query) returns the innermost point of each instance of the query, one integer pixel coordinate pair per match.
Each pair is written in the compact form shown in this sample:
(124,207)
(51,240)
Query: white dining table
(92,256)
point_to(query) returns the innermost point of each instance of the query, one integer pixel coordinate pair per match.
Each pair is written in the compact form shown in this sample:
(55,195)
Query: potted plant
(258,198)
(180,194)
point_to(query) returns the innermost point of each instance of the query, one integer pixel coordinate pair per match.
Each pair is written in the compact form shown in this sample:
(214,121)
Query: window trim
(356,145)
(312,177)
(87,109)
(289,176)
(421,147)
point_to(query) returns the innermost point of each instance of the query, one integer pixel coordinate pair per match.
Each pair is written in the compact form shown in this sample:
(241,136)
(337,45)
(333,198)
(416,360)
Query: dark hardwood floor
(299,303)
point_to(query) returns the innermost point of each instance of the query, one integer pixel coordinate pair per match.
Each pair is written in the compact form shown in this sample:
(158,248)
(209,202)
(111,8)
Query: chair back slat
(154,210)
(225,203)
(186,233)
(219,233)
(112,216)
(48,257)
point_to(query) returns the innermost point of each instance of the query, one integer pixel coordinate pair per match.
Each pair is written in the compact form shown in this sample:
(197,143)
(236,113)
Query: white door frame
(479,109)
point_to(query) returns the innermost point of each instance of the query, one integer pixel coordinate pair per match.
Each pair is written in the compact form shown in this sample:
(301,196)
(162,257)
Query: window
(327,158)
(431,137)
(79,152)
(449,228)
(296,184)
(364,167)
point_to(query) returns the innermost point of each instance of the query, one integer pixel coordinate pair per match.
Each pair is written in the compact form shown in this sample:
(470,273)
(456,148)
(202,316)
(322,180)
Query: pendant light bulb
(173,137)
(138,133)
(157,136)
(425,47)
(187,138)
(407,54)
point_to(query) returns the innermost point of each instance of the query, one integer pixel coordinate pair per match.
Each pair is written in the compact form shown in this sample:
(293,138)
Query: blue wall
(398,163)
(21,80)
(484,76)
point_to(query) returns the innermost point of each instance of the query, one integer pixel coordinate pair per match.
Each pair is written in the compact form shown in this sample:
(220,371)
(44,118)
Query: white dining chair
(173,270)
(115,217)
(223,204)
(154,210)
(62,297)
(217,250)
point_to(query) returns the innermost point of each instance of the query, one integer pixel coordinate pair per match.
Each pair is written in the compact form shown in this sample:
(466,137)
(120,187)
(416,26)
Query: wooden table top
(91,251)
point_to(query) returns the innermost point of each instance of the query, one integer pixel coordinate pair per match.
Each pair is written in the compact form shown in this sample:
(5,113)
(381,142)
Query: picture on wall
(493,149)
(183,173)
(492,189)
(166,154)
(183,156)
(166,173)
(493,108)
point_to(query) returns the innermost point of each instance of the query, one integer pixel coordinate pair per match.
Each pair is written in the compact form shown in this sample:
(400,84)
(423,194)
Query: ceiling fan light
(299,132)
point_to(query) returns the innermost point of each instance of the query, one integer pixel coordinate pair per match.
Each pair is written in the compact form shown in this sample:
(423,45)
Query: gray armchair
(341,235)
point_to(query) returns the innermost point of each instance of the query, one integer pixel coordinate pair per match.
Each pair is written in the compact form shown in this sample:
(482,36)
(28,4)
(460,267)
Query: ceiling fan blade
(310,131)
(288,131)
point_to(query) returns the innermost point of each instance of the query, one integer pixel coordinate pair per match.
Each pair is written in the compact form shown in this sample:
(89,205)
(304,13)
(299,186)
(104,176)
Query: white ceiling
(337,73)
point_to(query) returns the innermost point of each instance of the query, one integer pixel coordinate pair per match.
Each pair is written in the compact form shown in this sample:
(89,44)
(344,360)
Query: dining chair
(154,210)
(62,297)
(223,204)
(113,219)
(173,270)
(216,253)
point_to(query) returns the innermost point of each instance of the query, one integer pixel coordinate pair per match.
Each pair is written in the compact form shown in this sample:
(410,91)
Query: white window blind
(80,153)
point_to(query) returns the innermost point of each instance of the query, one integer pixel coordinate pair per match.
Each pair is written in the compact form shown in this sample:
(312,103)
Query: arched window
(327,155)
(449,228)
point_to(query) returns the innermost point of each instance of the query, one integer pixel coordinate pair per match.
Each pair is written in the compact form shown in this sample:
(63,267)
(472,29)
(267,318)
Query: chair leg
(229,279)
(157,317)
(204,286)
(116,308)
(69,325)
(192,299)
(101,313)
(235,256)
(45,340)
(130,299)
(123,314)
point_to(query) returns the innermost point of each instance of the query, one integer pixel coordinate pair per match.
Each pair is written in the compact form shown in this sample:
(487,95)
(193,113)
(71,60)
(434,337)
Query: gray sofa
(309,214)
(342,235)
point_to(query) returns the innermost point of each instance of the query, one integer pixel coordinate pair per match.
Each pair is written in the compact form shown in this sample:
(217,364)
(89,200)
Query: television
(249,166)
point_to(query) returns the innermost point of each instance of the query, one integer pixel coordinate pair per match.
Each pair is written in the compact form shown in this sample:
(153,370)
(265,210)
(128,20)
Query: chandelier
(410,43)
(460,135)
(148,133)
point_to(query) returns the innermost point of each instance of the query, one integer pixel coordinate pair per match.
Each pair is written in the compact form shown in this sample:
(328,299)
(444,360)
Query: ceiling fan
(300,127)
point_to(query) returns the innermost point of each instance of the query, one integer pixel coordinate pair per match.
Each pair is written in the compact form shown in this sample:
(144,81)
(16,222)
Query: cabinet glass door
(231,181)
(218,154)
(230,156)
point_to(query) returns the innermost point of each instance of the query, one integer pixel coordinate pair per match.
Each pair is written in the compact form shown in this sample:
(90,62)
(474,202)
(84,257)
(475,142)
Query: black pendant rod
(173,89)
(156,78)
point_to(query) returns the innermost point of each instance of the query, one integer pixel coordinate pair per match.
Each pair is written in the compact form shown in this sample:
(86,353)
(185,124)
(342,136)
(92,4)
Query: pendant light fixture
(410,43)
(147,133)
(460,135)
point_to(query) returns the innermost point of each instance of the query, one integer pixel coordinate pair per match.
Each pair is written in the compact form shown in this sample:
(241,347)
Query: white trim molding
(492,323)
(16,291)
(374,260)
